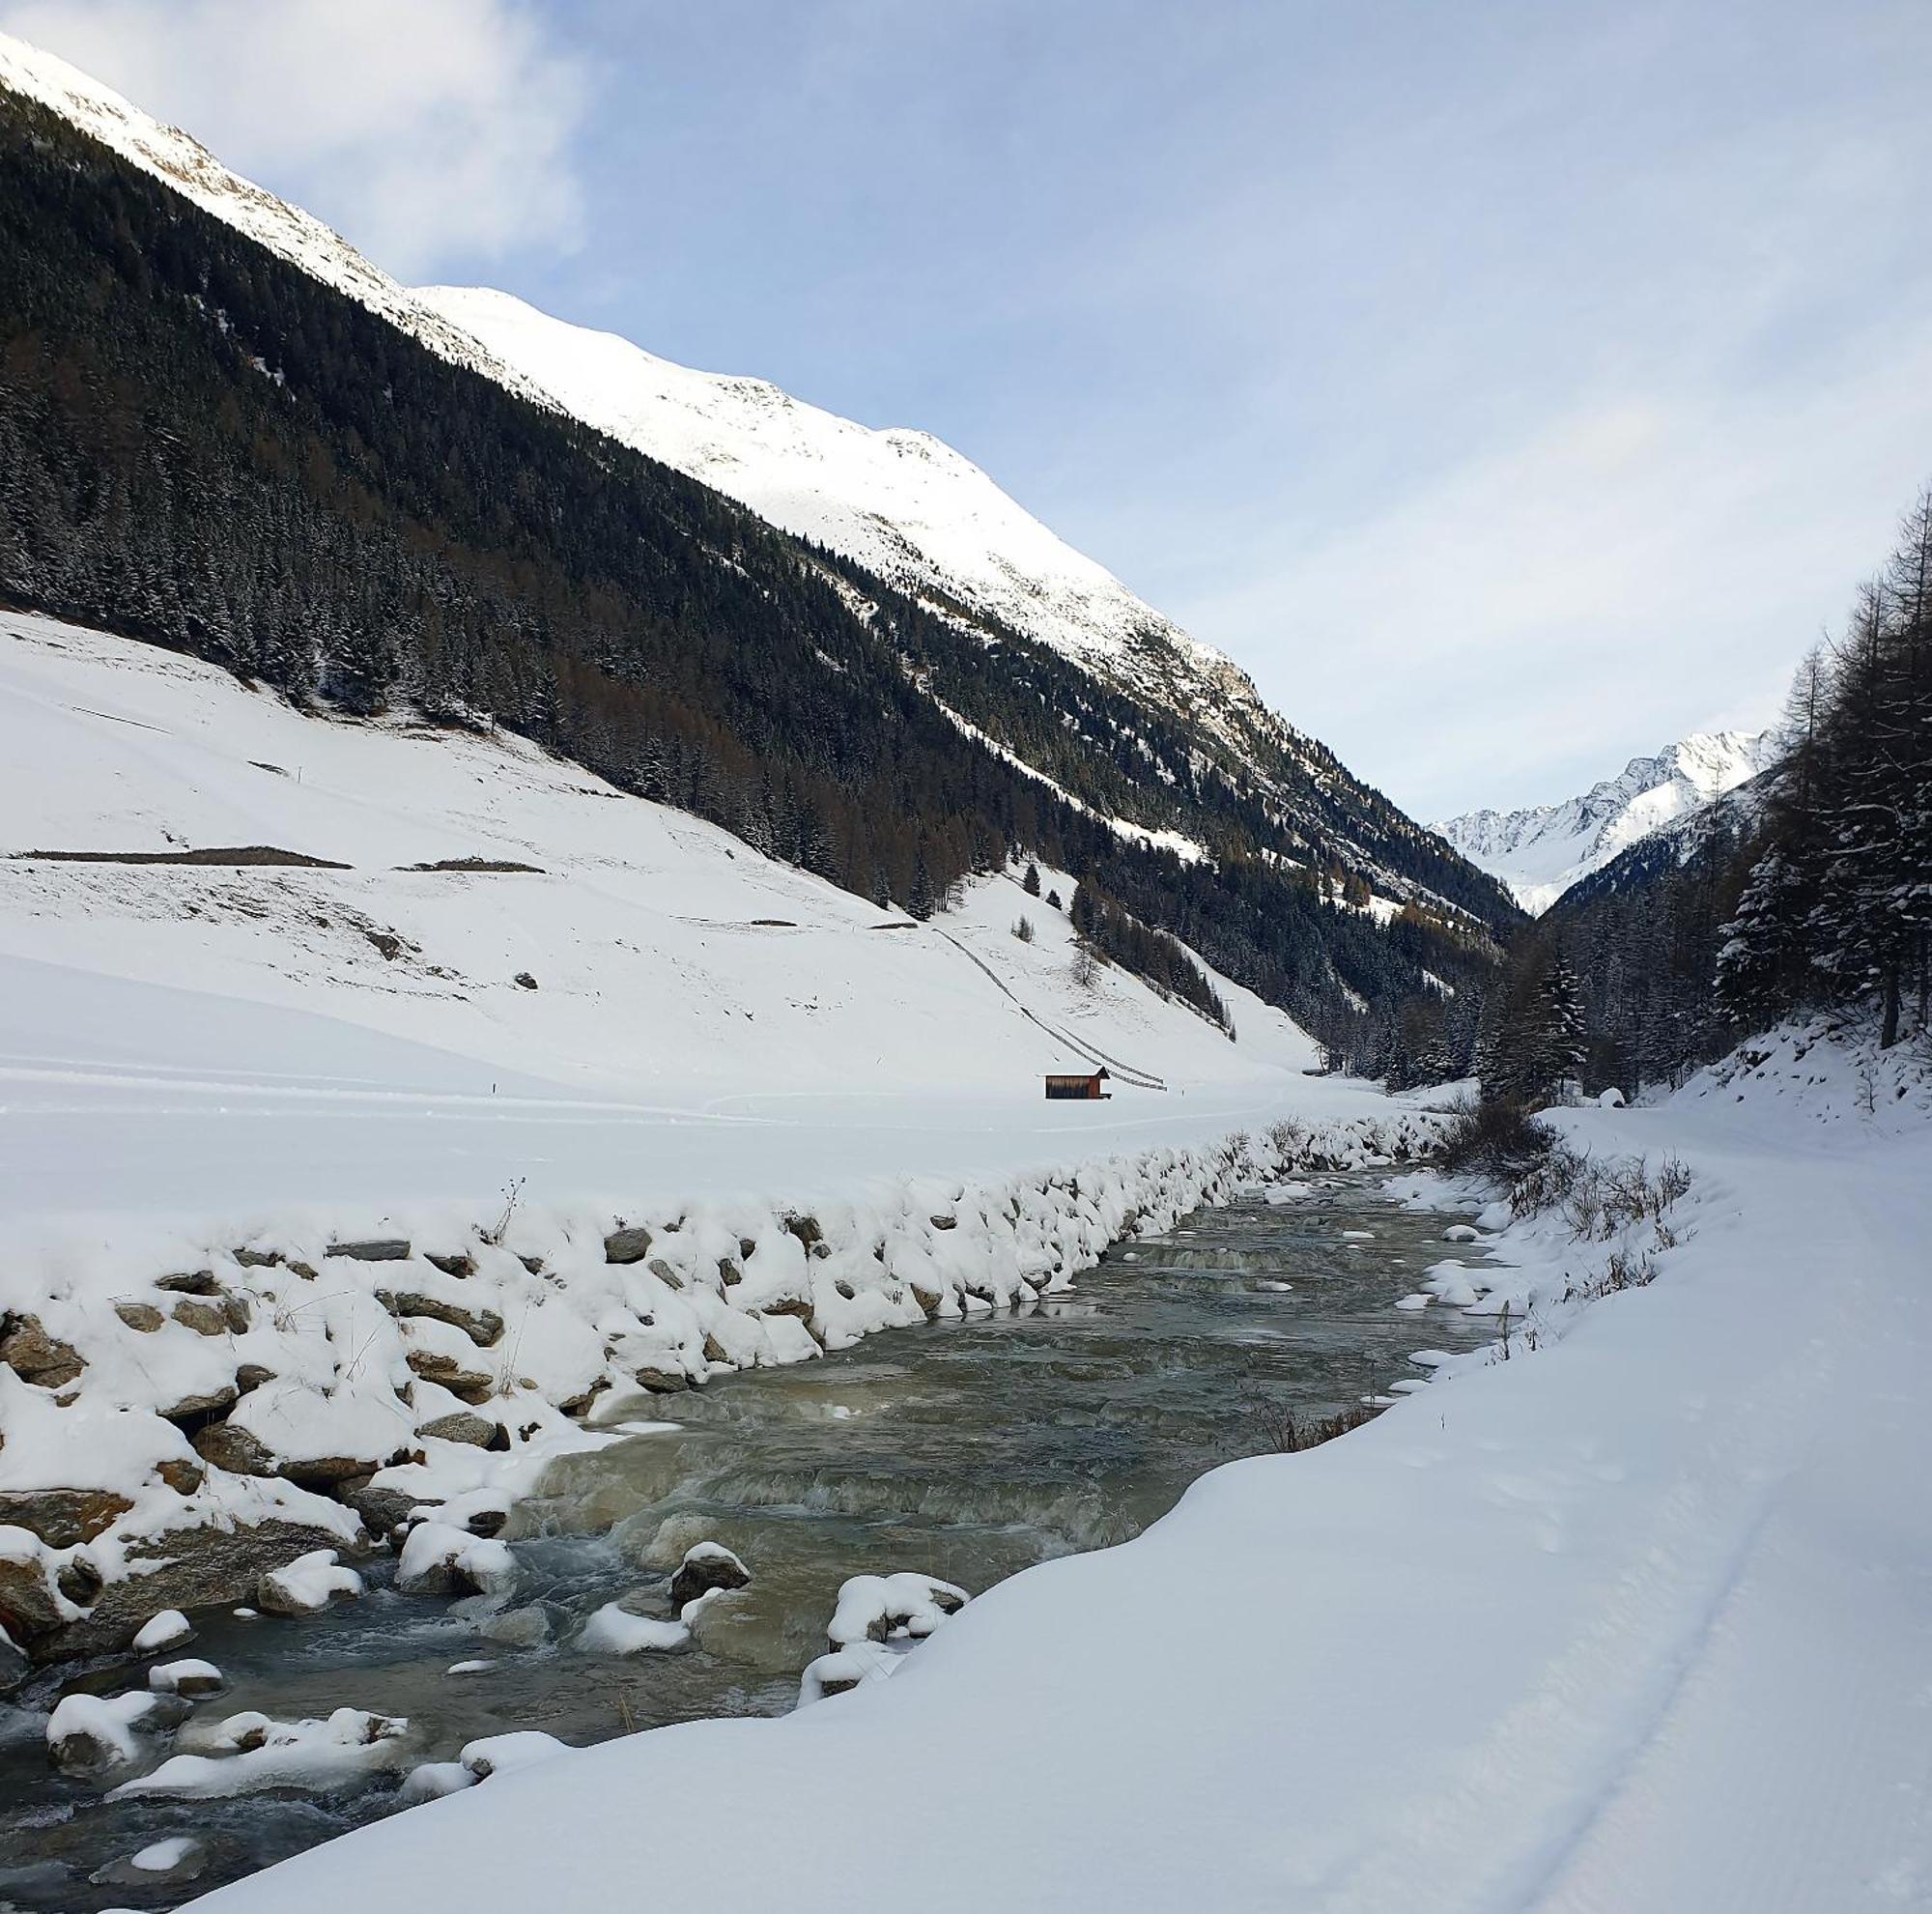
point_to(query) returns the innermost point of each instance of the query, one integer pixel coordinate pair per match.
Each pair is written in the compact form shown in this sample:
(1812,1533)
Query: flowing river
(967,1450)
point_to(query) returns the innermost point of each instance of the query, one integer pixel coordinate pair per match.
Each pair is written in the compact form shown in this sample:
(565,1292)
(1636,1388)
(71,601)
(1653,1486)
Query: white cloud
(1488,635)
(428,134)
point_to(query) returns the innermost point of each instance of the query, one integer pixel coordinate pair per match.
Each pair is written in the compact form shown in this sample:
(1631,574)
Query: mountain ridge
(1540,851)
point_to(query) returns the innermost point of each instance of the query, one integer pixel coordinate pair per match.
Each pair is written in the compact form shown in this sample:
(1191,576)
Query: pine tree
(923,899)
(1558,1039)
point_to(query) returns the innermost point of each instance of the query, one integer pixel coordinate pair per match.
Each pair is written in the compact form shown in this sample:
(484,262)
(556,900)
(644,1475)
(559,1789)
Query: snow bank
(1827,1069)
(1631,1619)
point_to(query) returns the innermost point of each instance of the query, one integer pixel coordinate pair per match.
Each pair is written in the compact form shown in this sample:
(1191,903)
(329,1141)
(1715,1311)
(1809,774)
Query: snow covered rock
(877,1607)
(431,1781)
(461,1425)
(504,1754)
(613,1630)
(226,1445)
(628,1244)
(706,1566)
(190,1676)
(312,1754)
(170,1629)
(845,1669)
(35,1356)
(62,1517)
(307,1584)
(167,1863)
(438,1559)
(92,1734)
(31,1606)
(199,1565)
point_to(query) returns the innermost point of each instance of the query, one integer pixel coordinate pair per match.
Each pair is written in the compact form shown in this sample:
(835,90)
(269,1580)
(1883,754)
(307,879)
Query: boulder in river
(307,1584)
(182,1568)
(705,1567)
(94,1734)
(167,1863)
(876,1608)
(438,1559)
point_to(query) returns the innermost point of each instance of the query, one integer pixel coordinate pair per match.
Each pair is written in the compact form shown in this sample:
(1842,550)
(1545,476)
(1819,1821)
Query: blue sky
(1510,387)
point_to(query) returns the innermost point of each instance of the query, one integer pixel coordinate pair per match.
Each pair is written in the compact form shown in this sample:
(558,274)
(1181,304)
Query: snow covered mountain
(813,634)
(900,503)
(180,162)
(1541,851)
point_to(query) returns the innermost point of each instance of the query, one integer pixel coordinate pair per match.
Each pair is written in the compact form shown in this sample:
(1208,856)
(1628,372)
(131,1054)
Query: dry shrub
(1284,1433)
(1500,1141)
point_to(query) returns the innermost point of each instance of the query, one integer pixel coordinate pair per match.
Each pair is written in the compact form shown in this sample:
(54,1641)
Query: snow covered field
(193,1039)
(1635,1620)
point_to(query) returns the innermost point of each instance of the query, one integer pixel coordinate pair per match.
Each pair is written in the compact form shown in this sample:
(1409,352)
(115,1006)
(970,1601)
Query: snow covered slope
(183,163)
(897,500)
(1541,851)
(900,501)
(185,1035)
(1633,1624)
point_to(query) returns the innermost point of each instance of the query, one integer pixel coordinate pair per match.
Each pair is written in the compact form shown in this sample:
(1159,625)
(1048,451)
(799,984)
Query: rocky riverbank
(171,1438)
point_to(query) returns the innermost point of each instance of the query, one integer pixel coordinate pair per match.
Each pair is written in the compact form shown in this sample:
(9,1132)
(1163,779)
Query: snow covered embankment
(174,1430)
(1635,1619)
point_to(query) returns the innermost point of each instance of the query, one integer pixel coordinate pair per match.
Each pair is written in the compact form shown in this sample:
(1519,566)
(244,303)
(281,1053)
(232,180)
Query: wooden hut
(1085,1089)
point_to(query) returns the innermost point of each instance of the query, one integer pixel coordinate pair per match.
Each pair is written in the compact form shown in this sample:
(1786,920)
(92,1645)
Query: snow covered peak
(1540,851)
(900,501)
(182,162)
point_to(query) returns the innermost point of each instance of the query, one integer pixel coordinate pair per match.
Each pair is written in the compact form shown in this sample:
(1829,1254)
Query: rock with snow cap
(706,1566)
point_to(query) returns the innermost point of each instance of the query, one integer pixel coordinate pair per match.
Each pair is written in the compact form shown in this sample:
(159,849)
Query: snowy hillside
(897,500)
(900,501)
(1149,728)
(1541,851)
(686,998)
(183,163)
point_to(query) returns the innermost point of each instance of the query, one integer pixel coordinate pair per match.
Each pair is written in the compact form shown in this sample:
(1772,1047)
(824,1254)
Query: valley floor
(1640,1619)
(1636,1620)
(498,967)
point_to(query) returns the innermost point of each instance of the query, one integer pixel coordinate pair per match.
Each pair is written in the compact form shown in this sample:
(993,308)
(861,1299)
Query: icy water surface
(966,1451)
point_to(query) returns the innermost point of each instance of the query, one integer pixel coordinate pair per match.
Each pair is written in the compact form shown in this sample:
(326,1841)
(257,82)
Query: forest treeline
(202,447)
(1807,891)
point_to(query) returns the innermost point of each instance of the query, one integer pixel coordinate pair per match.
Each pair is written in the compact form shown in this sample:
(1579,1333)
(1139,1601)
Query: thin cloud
(430,134)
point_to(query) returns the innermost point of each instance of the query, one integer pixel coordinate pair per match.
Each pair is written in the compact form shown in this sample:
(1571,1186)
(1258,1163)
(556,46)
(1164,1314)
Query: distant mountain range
(1538,852)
